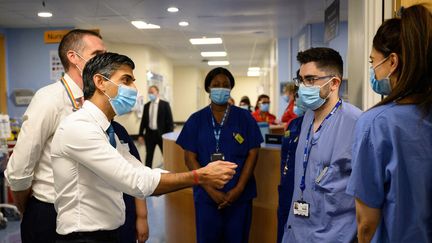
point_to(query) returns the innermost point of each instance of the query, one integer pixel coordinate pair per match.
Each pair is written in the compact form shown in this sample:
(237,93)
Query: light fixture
(213,54)
(183,23)
(44,13)
(143,25)
(172,9)
(218,63)
(253,72)
(205,41)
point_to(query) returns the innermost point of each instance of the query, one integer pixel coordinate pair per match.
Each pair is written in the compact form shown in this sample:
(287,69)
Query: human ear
(99,82)
(394,62)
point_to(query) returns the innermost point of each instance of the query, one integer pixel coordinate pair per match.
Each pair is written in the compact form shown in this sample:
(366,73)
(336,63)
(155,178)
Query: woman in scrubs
(391,177)
(222,132)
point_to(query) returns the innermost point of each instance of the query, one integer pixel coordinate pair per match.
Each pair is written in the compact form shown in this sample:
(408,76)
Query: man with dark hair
(157,119)
(321,211)
(92,167)
(29,170)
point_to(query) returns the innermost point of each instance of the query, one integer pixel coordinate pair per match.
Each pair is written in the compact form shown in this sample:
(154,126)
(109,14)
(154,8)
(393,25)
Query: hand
(142,229)
(216,174)
(141,140)
(216,195)
(230,197)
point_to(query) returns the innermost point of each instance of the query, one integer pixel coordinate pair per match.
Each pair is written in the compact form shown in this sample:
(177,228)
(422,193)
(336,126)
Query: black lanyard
(307,151)
(217,130)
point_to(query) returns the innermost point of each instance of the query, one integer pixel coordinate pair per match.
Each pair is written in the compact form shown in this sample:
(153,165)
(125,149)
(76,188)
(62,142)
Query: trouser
(152,138)
(228,225)
(38,224)
(102,236)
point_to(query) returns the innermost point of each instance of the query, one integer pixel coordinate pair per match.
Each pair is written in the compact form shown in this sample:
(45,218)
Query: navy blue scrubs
(127,232)
(231,224)
(286,186)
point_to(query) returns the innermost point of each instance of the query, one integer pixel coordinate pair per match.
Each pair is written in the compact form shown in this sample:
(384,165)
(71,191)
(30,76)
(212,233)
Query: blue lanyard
(217,130)
(307,151)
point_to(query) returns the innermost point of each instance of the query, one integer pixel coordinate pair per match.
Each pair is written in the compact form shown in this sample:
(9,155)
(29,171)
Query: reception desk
(179,207)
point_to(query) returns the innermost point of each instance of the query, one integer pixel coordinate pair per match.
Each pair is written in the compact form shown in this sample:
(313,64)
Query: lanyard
(307,151)
(70,95)
(217,131)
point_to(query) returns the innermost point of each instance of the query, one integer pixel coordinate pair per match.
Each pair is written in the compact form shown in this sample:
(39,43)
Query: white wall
(145,58)
(249,86)
(188,92)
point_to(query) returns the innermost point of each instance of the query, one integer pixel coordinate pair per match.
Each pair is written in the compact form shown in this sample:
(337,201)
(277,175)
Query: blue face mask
(286,98)
(220,96)
(264,107)
(125,99)
(245,107)
(299,108)
(310,96)
(152,97)
(381,86)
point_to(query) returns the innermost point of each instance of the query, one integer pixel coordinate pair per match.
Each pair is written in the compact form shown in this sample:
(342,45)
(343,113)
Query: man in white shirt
(157,120)
(92,168)
(29,171)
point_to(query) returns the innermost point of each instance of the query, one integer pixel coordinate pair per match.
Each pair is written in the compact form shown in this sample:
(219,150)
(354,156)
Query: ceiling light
(205,41)
(144,25)
(213,54)
(172,9)
(183,23)
(44,14)
(218,63)
(253,73)
(257,69)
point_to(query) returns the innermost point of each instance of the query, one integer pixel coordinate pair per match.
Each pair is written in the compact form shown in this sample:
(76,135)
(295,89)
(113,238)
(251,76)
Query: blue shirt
(332,211)
(392,171)
(197,136)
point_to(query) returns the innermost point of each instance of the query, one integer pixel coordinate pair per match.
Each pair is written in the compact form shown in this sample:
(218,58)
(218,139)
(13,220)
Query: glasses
(310,80)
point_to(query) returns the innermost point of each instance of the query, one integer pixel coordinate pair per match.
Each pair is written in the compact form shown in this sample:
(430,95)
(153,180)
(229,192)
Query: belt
(100,235)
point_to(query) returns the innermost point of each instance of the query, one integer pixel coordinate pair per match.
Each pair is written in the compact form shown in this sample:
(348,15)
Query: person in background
(157,119)
(391,176)
(222,131)
(245,103)
(29,170)
(90,206)
(321,211)
(231,101)
(261,113)
(135,227)
(287,166)
(290,91)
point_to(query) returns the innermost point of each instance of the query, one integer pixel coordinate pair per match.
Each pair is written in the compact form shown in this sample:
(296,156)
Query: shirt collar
(156,100)
(76,90)
(97,114)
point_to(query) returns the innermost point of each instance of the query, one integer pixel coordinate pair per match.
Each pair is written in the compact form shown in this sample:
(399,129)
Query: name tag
(301,209)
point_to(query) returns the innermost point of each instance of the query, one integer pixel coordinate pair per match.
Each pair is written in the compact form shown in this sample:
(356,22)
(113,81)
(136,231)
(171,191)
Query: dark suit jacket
(165,122)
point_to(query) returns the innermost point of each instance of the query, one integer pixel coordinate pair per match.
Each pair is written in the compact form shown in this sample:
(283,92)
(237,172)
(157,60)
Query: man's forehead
(310,69)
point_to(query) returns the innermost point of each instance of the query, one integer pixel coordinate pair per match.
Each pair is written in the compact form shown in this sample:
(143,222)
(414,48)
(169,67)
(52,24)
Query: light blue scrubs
(332,211)
(392,171)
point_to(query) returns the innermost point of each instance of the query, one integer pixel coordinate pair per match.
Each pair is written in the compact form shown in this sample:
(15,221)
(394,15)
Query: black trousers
(38,224)
(152,138)
(102,236)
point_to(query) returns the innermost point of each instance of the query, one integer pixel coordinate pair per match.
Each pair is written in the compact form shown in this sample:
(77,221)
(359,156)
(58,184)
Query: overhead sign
(55,36)
(331,21)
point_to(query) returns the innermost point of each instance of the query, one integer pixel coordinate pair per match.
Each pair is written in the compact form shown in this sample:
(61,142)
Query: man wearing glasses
(320,209)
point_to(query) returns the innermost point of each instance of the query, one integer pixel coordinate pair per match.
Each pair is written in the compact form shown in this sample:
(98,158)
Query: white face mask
(81,71)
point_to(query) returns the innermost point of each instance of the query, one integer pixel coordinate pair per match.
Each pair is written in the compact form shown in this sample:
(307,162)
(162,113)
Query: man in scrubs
(321,211)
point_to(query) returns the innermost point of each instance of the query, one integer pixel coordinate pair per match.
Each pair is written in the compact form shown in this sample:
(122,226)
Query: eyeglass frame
(311,80)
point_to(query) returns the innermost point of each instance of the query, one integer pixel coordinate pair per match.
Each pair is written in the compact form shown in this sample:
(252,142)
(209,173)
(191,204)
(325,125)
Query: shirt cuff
(20,184)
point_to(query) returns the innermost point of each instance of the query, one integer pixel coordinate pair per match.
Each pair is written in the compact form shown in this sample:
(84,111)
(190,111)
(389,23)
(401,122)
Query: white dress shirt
(30,163)
(90,175)
(153,111)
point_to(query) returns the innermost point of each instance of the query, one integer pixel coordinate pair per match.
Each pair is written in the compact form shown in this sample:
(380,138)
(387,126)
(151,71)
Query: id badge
(301,209)
(217,156)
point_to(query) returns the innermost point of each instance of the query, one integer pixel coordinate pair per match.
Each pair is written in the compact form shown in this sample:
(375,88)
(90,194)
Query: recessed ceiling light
(218,63)
(183,23)
(172,9)
(254,69)
(253,73)
(205,41)
(213,54)
(144,25)
(45,14)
